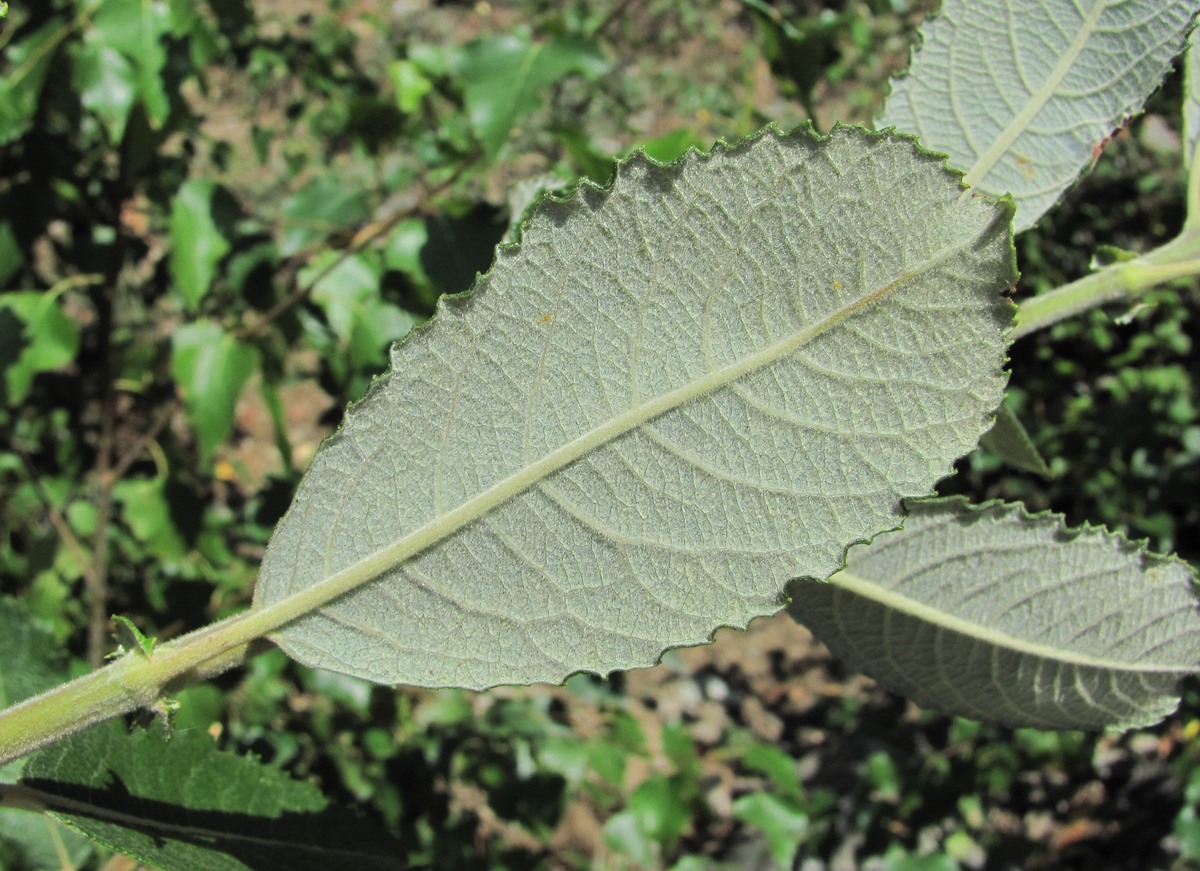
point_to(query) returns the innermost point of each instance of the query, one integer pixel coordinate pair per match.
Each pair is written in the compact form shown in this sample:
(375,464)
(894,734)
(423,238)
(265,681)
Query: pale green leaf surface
(673,397)
(1021,93)
(184,805)
(997,615)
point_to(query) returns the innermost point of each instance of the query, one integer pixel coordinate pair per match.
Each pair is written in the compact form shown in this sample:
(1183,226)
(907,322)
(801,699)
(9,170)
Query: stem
(1179,258)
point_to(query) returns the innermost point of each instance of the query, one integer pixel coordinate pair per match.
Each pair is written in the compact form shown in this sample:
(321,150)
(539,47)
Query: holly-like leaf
(994,614)
(675,395)
(1023,94)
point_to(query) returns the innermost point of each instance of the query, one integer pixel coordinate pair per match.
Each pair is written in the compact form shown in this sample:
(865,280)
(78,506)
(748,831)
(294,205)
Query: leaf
(998,615)
(502,75)
(107,85)
(187,806)
(1023,94)
(1008,440)
(197,243)
(211,368)
(318,210)
(28,63)
(48,340)
(1191,103)
(137,28)
(674,396)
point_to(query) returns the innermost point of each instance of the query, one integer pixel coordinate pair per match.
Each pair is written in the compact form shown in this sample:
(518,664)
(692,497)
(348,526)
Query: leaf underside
(1021,94)
(994,614)
(675,395)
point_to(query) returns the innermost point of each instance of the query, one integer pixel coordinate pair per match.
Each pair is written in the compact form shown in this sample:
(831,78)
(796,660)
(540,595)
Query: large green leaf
(673,397)
(993,614)
(1023,93)
(184,805)
(197,242)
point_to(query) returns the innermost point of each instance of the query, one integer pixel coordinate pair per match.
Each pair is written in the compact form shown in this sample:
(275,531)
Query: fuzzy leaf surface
(675,395)
(1022,94)
(994,614)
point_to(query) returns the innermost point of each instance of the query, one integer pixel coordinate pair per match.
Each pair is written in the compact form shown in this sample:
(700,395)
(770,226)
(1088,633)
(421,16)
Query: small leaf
(130,637)
(197,243)
(997,615)
(27,64)
(187,806)
(106,81)
(1008,440)
(47,341)
(321,208)
(211,368)
(674,396)
(1023,94)
(503,75)
(137,28)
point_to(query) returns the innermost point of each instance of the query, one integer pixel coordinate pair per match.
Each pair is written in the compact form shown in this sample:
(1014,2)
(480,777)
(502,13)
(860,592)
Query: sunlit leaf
(673,397)
(994,614)
(1022,94)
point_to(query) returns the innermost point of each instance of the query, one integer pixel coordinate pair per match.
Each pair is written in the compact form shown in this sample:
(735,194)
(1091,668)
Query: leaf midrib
(311,598)
(1036,102)
(899,603)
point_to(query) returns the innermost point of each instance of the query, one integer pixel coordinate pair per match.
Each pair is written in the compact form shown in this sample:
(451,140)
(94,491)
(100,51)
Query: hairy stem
(1179,258)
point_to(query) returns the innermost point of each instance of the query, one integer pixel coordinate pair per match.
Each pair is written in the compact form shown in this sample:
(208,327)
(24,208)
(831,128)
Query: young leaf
(187,806)
(1022,94)
(676,394)
(994,614)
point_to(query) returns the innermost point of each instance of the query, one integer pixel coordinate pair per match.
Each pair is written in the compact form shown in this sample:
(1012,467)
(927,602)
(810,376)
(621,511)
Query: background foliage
(214,218)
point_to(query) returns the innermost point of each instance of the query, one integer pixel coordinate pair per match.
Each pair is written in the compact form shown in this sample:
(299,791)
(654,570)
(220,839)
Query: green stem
(1179,258)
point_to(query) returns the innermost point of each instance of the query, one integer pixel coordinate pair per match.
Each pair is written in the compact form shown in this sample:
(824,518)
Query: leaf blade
(991,613)
(636,344)
(1022,95)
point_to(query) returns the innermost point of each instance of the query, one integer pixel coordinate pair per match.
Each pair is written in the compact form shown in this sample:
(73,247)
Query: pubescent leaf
(994,614)
(675,395)
(1022,94)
